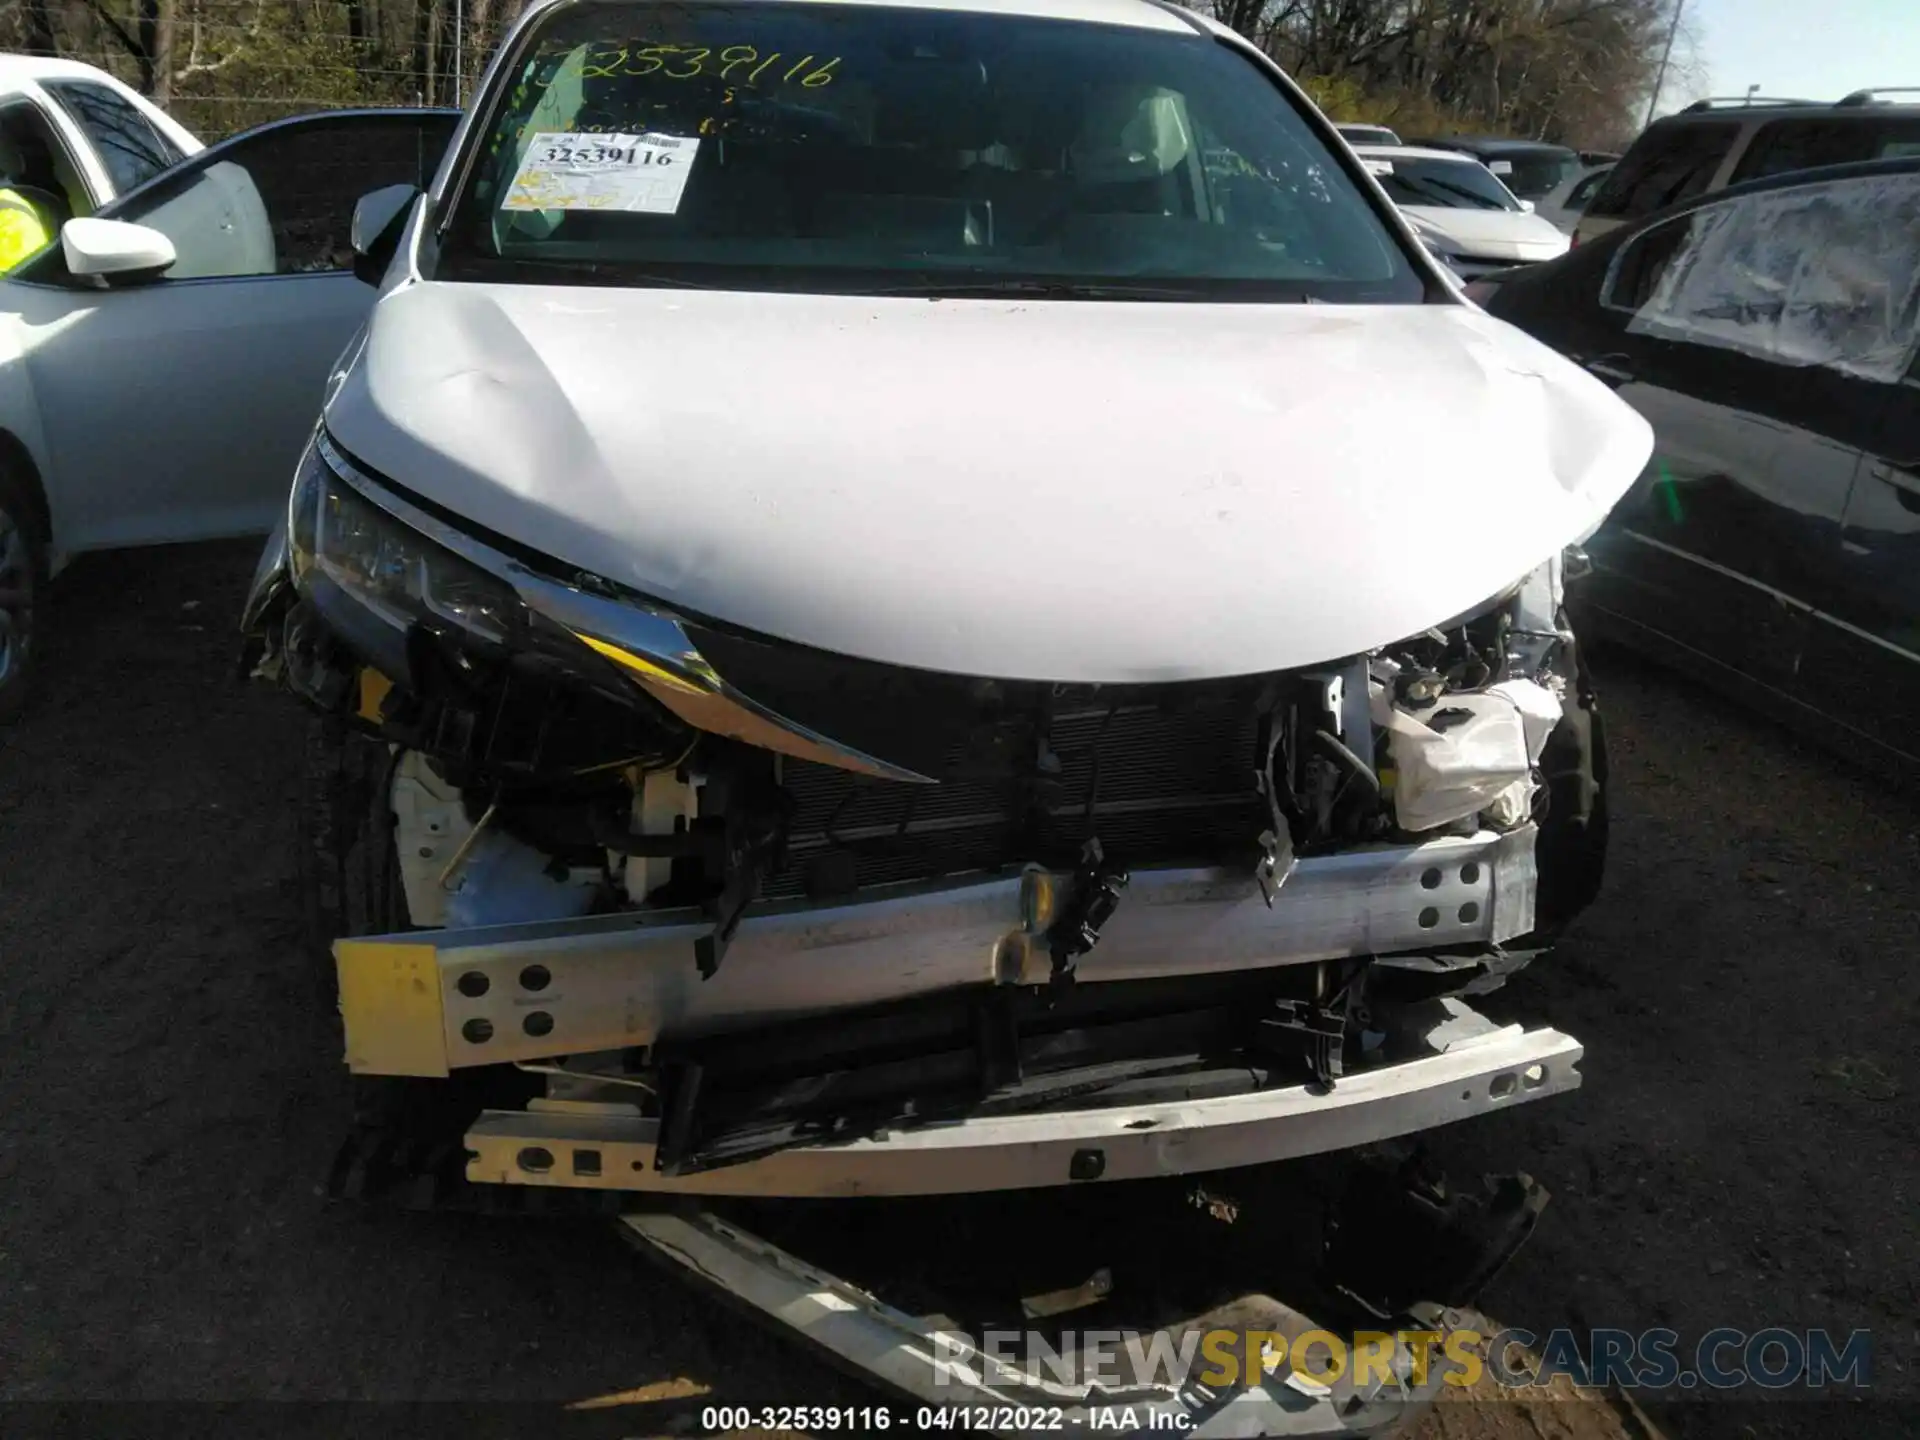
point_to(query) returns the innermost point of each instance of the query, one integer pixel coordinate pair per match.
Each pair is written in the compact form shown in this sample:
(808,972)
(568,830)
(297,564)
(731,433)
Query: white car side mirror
(114,247)
(1527,205)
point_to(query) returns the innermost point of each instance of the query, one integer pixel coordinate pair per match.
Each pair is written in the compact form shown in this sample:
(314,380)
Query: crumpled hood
(1493,234)
(1047,490)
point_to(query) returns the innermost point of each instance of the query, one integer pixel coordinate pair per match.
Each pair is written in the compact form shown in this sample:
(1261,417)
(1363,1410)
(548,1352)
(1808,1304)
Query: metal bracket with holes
(428,1002)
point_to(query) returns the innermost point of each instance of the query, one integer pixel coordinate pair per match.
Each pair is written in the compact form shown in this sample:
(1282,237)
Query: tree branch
(119,31)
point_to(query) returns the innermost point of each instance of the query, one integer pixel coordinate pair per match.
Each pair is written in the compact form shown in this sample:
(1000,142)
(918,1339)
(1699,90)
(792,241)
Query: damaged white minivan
(875,639)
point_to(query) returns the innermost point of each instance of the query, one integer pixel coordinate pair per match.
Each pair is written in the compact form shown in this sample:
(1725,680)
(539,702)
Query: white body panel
(1494,234)
(213,386)
(1063,490)
(210,376)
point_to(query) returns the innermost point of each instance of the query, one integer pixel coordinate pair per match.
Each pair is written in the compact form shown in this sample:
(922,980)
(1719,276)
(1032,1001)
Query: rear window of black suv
(1667,164)
(1807,143)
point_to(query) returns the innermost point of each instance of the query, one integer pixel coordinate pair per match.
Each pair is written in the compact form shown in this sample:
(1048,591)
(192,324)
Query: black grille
(1173,785)
(1168,770)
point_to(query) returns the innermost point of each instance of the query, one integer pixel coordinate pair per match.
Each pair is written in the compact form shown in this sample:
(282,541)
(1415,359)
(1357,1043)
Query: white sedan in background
(165,395)
(1355,134)
(79,135)
(1461,210)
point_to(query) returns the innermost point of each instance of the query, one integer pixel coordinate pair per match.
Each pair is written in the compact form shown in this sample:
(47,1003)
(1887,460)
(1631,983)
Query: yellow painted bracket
(373,694)
(390,1007)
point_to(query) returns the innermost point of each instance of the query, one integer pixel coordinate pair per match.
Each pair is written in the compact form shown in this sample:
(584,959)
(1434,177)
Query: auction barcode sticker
(567,171)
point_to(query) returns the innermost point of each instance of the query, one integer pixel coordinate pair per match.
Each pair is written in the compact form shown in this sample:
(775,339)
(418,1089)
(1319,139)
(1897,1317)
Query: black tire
(1571,855)
(23,587)
(407,1131)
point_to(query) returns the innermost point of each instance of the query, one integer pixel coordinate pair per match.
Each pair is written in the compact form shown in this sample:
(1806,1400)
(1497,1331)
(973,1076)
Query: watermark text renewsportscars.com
(1774,1359)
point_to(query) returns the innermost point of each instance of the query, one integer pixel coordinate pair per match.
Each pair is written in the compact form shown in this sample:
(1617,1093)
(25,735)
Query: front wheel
(406,1142)
(23,576)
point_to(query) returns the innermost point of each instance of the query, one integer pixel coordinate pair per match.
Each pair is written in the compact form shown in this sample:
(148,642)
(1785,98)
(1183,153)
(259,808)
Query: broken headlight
(343,544)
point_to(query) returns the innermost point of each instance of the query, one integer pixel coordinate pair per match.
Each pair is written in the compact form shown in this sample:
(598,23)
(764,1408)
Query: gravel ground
(1744,1152)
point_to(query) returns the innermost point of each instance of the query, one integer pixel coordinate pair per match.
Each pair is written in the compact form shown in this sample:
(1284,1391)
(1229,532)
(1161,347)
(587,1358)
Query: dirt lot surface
(1744,1153)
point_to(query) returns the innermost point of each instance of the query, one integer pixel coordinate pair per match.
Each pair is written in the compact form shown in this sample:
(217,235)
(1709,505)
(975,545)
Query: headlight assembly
(395,585)
(341,541)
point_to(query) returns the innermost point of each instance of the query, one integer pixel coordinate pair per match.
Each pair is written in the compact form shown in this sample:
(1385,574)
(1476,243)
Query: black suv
(1715,143)
(1770,333)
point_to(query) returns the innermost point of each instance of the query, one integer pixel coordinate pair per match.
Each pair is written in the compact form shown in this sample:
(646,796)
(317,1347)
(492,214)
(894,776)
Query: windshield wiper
(606,272)
(1042,290)
(1480,202)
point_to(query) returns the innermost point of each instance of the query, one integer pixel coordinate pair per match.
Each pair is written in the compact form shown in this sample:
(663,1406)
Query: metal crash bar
(429,1002)
(1477,1067)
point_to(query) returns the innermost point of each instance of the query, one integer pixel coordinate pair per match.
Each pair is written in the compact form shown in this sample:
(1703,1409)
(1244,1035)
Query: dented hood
(1055,490)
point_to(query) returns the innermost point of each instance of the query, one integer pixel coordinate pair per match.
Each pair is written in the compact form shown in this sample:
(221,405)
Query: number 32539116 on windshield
(737,64)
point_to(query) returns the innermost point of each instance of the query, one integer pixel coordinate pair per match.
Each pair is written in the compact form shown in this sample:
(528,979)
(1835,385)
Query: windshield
(1532,174)
(1455,184)
(857,147)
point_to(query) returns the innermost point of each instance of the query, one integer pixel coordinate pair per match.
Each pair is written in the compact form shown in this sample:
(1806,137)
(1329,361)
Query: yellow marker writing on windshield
(692,62)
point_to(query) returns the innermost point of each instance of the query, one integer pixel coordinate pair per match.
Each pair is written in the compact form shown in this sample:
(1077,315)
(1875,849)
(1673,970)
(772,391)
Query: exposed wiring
(466,845)
(1337,748)
(535,1068)
(651,761)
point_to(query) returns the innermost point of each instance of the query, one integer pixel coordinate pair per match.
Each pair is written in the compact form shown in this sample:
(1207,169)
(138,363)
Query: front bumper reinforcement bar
(430,1002)
(1479,1067)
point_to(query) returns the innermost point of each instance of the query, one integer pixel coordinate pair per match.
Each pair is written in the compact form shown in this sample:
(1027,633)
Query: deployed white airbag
(1468,754)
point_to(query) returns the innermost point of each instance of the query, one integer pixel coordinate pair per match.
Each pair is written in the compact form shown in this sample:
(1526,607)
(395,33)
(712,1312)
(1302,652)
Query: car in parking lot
(78,135)
(1461,211)
(1714,143)
(1529,168)
(1768,332)
(1563,205)
(866,635)
(161,394)
(1356,134)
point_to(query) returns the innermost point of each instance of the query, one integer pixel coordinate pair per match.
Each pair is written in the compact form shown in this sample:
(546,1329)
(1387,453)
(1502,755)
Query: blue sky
(1790,47)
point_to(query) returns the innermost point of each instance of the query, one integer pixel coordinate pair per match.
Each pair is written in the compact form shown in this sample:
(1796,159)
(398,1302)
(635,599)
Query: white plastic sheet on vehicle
(1478,763)
(1821,274)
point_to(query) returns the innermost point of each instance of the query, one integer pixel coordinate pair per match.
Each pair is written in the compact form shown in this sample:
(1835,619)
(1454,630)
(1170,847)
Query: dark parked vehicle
(1529,168)
(1768,333)
(1717,142)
